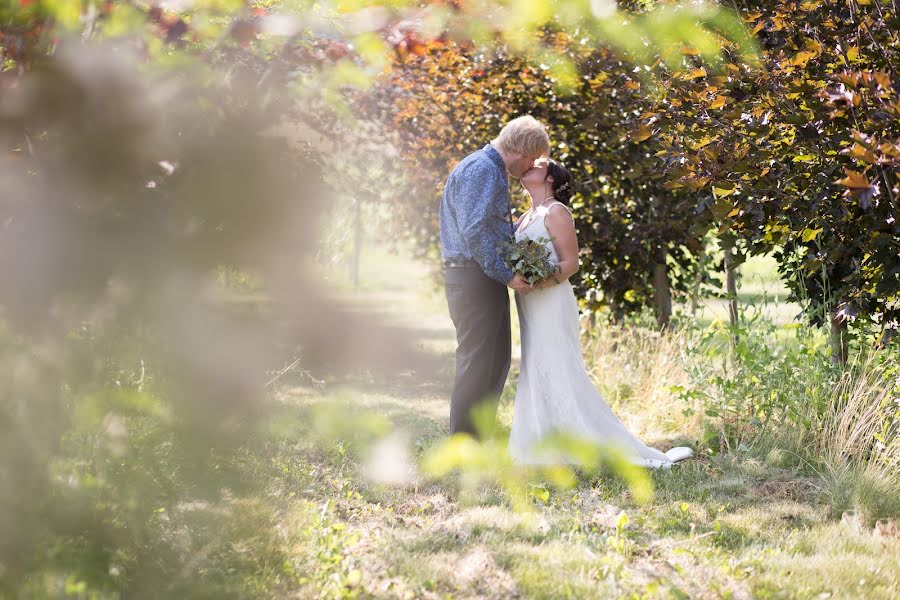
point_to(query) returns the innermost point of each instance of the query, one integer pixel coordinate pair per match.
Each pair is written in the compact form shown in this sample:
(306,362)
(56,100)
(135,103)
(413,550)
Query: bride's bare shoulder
(559,212)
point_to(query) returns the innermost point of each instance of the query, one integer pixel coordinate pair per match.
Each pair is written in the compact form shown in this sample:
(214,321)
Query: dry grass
(728,525)
(636,369)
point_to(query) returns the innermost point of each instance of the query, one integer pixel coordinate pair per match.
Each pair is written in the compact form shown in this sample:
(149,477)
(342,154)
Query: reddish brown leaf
(641,133)
(854,180)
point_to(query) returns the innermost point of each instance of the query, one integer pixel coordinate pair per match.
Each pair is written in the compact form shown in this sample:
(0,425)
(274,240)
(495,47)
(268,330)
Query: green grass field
(719,526)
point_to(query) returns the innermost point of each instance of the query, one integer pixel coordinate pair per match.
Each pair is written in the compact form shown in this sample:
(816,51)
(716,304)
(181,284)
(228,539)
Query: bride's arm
(561,228)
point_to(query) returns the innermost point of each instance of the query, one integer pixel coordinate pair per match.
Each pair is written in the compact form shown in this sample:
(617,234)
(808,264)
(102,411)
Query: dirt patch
(796,490)
(477,572)
(665,572)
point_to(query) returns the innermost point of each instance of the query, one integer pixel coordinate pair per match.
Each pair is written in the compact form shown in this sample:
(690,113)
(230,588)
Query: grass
(721,525)
(334,503)
(758,287)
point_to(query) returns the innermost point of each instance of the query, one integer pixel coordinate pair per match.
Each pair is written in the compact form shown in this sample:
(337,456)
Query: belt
(462,263)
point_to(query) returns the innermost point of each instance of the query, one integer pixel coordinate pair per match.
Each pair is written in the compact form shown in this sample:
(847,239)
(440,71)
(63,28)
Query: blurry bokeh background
(225,358)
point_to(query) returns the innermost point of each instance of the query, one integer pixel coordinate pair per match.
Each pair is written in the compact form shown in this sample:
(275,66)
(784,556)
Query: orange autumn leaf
(801,58)
(697,73)
(859,152)
(854,180)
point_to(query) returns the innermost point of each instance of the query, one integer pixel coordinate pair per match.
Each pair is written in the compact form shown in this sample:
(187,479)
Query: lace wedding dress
(555,392)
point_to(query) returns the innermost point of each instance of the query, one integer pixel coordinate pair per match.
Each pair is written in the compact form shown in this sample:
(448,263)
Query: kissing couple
(555,393)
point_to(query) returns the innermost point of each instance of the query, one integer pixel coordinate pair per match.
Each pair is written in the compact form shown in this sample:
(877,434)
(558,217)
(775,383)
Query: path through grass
(718,527)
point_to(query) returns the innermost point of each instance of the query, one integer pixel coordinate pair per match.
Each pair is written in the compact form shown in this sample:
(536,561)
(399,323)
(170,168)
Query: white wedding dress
(555,392)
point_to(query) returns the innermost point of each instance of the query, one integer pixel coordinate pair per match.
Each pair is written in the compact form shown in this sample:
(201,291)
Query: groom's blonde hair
(523,135)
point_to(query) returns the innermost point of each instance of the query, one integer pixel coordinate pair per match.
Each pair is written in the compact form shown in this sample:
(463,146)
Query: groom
(475,218)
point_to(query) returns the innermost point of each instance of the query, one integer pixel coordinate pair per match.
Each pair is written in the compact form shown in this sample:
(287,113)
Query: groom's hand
(519,284)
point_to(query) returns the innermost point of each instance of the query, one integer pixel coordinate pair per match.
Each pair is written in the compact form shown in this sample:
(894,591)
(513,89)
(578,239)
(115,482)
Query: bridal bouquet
(529,258)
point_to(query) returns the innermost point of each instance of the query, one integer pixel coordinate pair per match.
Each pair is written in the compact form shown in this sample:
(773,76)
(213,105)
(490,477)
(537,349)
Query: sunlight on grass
(737,524)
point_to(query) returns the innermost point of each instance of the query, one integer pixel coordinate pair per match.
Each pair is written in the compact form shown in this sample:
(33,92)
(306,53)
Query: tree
(800,154)
(638,243)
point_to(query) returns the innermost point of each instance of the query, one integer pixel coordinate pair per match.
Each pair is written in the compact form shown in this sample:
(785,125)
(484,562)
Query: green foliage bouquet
(529,258)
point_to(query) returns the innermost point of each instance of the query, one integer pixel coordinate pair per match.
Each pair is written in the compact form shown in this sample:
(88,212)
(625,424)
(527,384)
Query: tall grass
(637,368)
(773,396)
(855,446)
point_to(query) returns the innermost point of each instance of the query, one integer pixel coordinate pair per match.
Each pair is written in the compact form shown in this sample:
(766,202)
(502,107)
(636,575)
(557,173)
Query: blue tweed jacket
(475,213)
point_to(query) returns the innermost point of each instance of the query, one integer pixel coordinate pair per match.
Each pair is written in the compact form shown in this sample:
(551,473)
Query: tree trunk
(840,343)
(731,289)
(357,243)
(698,279)
(618,314)
(662,295)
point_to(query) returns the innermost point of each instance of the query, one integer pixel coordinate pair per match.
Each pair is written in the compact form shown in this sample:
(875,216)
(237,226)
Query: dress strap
(561,204)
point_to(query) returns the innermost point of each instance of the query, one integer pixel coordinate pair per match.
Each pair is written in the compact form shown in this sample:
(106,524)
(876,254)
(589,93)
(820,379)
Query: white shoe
(680,453)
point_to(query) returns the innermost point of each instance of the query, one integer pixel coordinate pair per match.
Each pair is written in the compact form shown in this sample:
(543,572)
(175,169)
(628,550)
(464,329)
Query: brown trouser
(479,307)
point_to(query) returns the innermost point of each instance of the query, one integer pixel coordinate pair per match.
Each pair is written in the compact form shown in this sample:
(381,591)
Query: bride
(555,392)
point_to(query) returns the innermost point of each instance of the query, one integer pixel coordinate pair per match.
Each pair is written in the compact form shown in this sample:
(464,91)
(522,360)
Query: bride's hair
(562,181)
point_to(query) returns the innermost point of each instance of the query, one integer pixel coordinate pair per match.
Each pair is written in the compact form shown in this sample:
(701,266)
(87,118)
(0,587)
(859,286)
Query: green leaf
(810,234)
